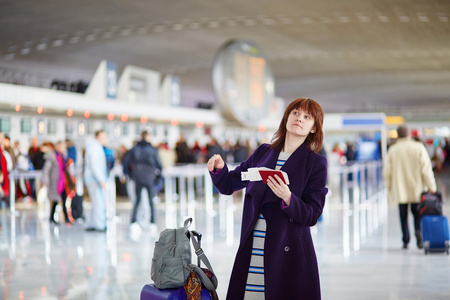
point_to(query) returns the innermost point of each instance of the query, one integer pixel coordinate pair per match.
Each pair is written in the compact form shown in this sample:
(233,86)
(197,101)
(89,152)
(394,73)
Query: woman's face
(300,123)
(60,148)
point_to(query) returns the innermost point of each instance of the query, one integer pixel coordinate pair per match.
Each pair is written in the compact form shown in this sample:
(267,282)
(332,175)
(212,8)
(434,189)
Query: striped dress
(254,289)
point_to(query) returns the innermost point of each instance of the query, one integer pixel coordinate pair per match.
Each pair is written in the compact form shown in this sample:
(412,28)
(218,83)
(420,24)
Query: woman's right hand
(215,163)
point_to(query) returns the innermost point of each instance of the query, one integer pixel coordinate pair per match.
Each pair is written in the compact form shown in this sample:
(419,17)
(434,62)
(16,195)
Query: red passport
(266,173)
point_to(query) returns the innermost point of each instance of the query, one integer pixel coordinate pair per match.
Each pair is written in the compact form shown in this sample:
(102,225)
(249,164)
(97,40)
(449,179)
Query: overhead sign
(104,82)
(111,80)
(357,121)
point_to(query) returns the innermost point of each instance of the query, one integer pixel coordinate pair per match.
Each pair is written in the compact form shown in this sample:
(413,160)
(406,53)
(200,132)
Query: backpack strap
(210,285)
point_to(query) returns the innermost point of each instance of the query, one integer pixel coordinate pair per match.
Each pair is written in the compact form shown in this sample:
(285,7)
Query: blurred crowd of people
(56,180)
(61,164)
(439,151)
(437,148)
(138,167)
(182,153)
(15,157)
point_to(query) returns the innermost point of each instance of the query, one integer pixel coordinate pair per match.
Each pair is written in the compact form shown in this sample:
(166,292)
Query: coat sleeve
(46,172)
(227,182)
(427,169)
(95,162)
(307,208)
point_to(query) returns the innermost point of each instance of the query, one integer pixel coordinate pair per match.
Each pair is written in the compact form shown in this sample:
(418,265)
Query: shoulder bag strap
(210,285)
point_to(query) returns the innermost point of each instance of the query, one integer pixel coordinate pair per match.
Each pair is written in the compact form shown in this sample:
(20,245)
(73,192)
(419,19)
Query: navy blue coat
(290,264)
(144,163)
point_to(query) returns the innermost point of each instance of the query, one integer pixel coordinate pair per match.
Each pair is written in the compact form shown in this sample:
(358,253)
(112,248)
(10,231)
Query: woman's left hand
(279,188)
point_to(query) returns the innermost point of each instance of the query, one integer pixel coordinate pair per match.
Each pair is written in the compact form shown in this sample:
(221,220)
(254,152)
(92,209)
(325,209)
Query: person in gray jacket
(95,175)
(53,178)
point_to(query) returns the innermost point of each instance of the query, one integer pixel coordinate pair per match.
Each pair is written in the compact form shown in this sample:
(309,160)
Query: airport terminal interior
(195,78)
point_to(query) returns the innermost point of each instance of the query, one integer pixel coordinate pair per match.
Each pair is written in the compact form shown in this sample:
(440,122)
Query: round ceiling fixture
(243,82)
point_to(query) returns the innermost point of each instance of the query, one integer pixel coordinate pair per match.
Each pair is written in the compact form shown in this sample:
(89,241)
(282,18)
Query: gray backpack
(171,263)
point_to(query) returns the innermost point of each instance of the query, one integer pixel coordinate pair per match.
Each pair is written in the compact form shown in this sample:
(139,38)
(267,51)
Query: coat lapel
(297,160)
(269,160)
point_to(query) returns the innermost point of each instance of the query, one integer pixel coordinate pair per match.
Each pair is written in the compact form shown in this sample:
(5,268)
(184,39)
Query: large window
(51,126)
(69,126)
(26,125)
(125,130)
(5,125)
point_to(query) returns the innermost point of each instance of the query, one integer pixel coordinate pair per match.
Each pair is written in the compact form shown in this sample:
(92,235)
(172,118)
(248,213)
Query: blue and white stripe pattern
(254,289)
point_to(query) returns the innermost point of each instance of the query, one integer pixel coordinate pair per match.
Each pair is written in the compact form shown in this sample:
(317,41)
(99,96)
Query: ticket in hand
(258,174)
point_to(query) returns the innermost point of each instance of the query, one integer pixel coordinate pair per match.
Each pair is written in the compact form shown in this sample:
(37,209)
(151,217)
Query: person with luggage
(95,175)
(145,169)
(76,205)
(53,179)
(276,257)
(407,173)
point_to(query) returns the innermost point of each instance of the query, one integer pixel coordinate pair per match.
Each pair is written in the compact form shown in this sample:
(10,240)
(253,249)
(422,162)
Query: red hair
(314,141)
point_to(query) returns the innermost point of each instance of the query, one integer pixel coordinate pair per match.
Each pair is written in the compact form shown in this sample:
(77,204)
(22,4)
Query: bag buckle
(199,252)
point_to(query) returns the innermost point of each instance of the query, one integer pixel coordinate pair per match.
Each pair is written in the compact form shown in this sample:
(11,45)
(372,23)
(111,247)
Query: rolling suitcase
(150,292)
(77,207)
(435,234)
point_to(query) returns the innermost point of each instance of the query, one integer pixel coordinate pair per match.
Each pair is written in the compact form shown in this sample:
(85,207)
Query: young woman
(276,257)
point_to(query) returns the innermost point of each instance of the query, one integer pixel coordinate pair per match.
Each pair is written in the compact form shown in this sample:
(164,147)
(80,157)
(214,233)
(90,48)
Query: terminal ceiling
(351,56)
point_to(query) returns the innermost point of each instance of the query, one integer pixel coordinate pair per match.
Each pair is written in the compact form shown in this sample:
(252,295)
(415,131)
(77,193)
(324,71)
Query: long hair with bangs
(314,141)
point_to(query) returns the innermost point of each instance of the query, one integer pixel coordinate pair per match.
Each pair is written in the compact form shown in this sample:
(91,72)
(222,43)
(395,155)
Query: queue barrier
(13,177)
(364,201)
(360,189)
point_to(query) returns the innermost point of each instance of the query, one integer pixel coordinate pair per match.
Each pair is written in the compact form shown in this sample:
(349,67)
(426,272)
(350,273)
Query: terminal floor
(43,261)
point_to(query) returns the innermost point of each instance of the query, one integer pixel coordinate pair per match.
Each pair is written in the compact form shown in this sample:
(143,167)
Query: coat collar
(297,158)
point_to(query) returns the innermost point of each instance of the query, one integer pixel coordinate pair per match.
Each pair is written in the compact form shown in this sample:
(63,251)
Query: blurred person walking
(95,175)
(126,169)
(447,153)
(184,155)
(72,175)
(10,150)
(36,156)
(16,148)
(276,257)
(407,173)
(350,153)
(198,153)
(53,179)
(168,156)
(438,158)
(240,152)
(213,148)
(4,172)
(145,166)
(9,159)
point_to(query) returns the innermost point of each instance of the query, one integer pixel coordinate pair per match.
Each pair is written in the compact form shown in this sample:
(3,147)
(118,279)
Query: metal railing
(360,190)
(364,201)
